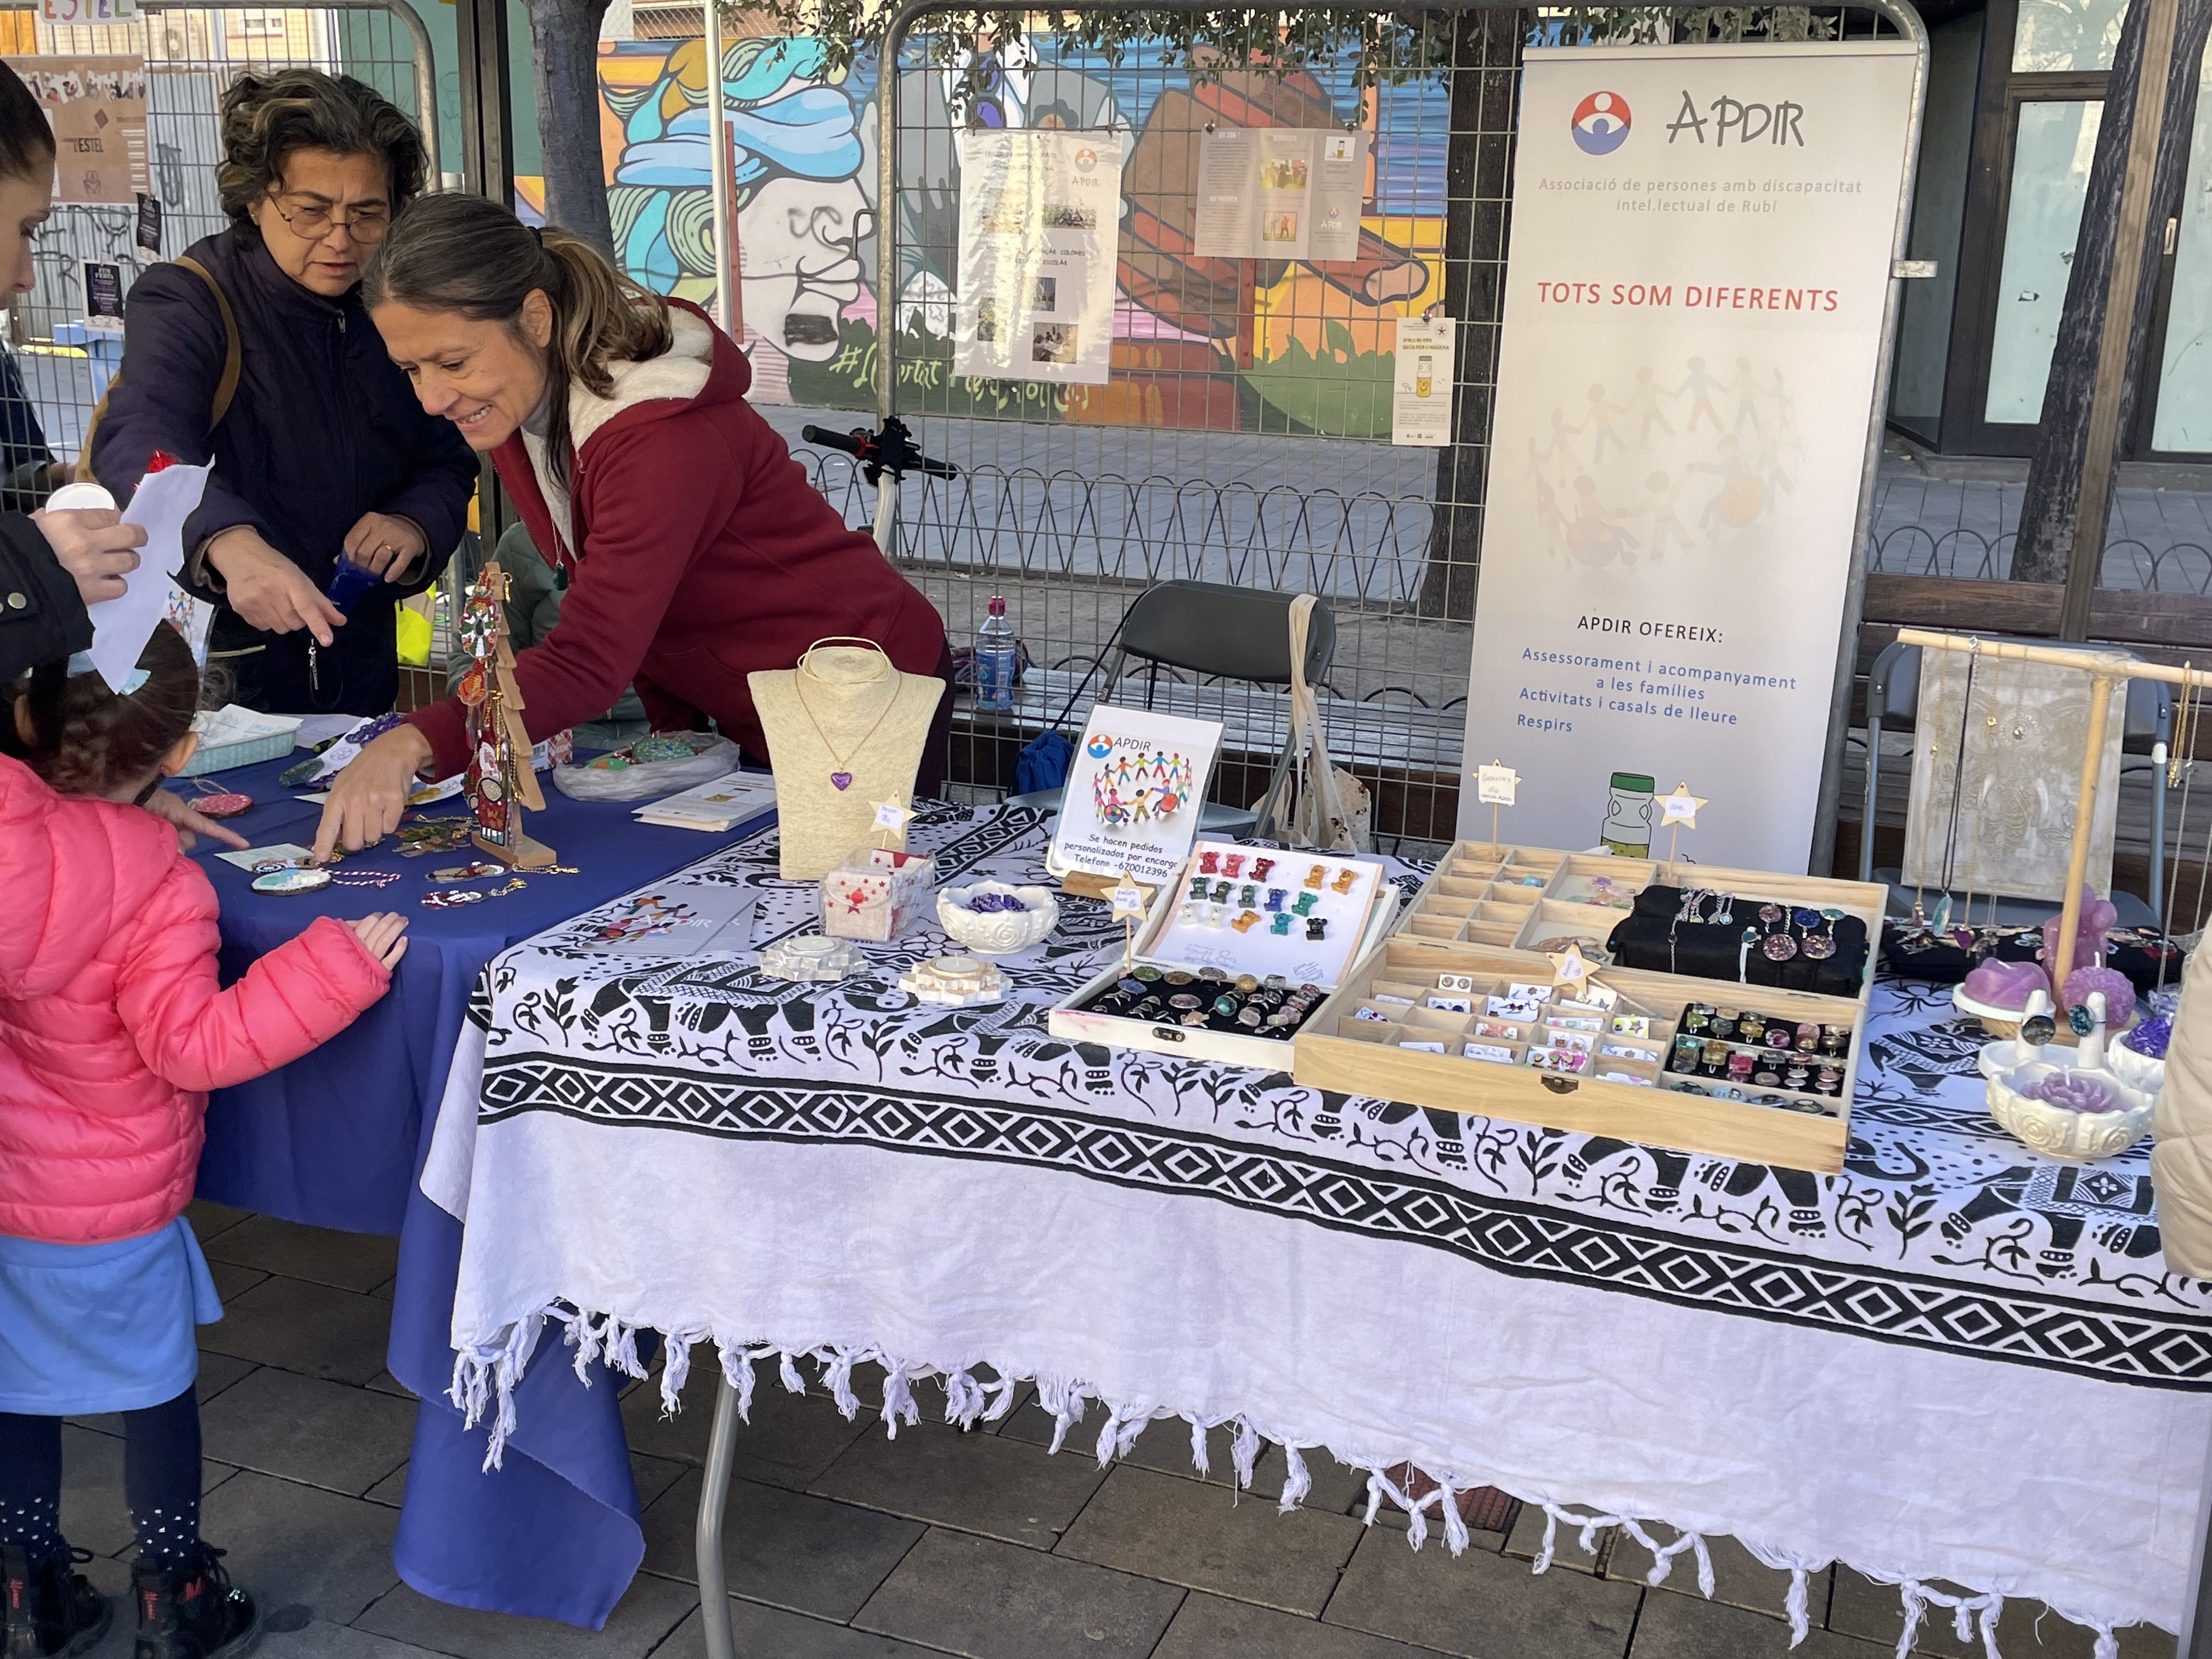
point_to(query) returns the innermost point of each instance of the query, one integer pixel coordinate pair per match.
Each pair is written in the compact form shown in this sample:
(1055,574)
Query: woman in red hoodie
(693,549)
(112,1029)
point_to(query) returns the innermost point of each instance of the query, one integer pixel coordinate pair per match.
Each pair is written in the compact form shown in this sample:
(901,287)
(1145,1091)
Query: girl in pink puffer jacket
(113,1028)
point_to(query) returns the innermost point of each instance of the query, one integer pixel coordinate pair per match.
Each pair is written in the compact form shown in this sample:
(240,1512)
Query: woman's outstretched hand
(368,796)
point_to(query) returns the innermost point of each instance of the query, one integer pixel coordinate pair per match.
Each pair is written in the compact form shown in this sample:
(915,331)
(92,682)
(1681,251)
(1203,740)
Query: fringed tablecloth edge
(485,1375)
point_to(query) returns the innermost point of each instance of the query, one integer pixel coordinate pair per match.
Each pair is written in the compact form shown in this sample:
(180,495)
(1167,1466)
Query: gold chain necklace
(840,774)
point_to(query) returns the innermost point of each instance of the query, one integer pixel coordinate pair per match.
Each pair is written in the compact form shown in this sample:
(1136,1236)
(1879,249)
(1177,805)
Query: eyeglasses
(313,222)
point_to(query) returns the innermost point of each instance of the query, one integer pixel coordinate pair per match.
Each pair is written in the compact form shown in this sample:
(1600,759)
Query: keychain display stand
(499,782)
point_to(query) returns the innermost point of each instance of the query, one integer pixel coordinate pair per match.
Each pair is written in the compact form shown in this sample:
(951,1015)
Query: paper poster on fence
(1280,193)
(1693,319)
(97,106)
(1039,233)
(1421,387)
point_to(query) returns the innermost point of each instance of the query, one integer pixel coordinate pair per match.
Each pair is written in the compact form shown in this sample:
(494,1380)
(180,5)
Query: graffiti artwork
(1268,344)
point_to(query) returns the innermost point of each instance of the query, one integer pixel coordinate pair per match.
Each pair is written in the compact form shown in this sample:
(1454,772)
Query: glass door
(2053,142)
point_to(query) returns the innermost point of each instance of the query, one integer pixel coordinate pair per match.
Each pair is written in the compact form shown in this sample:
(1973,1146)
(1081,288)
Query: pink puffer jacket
(112,1025)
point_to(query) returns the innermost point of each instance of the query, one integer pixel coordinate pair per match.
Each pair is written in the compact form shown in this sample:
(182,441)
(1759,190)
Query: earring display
(1720,1066)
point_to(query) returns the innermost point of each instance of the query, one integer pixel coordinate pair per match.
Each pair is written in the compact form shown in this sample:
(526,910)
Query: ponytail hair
(470,257)
(88,740)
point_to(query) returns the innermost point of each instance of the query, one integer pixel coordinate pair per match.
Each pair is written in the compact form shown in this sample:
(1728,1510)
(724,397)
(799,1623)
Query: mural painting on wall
(1315,354)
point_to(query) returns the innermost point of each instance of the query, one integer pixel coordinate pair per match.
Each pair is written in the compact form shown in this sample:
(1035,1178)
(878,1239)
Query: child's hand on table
(383,936)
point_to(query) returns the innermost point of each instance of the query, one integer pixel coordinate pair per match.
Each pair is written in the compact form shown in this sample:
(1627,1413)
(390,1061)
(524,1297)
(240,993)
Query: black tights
(160,1479)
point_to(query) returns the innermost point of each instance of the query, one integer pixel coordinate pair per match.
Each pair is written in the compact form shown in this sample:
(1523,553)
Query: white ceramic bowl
(2002,1056)
(2137,1071)
(2060,1132)
(997,933)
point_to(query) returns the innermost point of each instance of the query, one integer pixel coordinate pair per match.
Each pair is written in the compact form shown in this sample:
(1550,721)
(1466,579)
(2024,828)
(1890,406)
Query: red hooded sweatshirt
(112,1024)
(697,553)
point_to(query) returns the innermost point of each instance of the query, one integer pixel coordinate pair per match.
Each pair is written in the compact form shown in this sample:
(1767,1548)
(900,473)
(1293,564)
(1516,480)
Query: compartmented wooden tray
(1353,1043)
(1537,899)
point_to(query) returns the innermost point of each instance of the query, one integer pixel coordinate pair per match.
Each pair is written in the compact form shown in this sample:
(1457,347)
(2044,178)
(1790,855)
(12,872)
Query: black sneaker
(192,1611)
(47,1609)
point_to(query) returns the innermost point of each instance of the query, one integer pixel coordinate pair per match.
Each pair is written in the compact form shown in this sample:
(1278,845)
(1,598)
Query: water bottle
(998,656)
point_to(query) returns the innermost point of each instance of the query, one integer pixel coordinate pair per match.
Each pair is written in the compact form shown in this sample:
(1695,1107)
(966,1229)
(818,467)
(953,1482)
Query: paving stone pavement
(844,1544)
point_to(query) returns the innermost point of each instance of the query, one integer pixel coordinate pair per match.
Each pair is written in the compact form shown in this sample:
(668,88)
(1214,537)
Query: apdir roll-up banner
(1700,259)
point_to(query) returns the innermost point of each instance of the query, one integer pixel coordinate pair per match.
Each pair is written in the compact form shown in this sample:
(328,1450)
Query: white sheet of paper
(121,627)
(247,857)
(320,728)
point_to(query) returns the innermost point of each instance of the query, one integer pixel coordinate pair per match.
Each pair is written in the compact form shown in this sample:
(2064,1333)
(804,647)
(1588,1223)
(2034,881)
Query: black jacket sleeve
(41,614)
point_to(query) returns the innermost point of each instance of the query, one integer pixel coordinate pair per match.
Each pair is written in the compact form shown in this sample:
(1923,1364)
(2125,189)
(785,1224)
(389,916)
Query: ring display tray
(1355,1043)
(1167,941)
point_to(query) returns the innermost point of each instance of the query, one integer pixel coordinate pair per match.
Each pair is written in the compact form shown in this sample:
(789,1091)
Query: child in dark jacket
(113,1028)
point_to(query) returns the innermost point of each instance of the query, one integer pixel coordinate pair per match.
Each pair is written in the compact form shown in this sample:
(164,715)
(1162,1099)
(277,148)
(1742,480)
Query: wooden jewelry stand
(2103,674)
(497,791)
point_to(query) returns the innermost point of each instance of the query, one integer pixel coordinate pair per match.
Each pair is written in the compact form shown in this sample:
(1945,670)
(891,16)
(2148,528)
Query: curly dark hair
(267,116)
(86,740)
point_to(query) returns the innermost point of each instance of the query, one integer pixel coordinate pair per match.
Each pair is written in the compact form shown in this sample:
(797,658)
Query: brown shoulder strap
(233,349)
(226,386)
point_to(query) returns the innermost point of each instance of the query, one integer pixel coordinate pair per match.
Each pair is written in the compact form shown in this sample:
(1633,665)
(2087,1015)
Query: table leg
(713,1495)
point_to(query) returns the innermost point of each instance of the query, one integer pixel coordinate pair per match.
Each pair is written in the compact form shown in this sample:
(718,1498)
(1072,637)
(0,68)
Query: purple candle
(2005,985)
(2077,1091)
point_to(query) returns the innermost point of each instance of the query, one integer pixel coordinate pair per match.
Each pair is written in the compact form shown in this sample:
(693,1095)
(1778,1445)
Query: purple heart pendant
(842,780)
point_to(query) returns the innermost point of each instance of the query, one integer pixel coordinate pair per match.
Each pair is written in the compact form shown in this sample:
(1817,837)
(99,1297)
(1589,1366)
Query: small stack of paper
(724,803)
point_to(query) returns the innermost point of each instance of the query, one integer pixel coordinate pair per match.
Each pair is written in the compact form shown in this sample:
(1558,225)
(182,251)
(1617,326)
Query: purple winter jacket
(323,429)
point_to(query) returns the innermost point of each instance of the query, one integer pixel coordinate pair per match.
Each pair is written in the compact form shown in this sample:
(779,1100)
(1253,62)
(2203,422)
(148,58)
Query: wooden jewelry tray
(1338,1049)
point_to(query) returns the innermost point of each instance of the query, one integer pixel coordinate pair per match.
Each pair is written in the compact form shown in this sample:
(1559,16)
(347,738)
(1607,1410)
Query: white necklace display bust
(845,730)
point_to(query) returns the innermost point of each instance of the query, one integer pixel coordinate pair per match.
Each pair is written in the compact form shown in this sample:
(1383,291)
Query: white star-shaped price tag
(1128,899)
(1495,784)
(1572,966)
(891,816)
(1680,807)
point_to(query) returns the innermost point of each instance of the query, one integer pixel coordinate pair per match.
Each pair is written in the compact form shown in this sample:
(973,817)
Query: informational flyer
(103,296)
(1040,234)
(1280,193)
(1692,326)
(1421,395)
(97,107)
(1134,791)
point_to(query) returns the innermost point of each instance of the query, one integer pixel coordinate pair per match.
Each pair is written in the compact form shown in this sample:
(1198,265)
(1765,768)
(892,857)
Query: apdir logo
(1600,124)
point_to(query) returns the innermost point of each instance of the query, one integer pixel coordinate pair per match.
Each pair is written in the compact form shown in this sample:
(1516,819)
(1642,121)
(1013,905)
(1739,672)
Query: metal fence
(1244,436)
(2159,541)
(191,54)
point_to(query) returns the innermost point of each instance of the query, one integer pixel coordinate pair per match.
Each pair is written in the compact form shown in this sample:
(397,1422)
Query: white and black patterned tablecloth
(1941,1233)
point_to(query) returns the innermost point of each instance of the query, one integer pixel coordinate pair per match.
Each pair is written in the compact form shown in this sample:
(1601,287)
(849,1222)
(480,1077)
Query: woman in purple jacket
(323,450)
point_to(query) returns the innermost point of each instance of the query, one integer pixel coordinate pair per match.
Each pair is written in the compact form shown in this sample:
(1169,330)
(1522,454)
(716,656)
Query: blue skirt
(101,1327)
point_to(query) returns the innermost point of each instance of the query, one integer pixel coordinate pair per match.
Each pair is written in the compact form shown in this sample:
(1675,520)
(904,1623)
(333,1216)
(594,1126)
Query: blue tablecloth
(336,1139)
